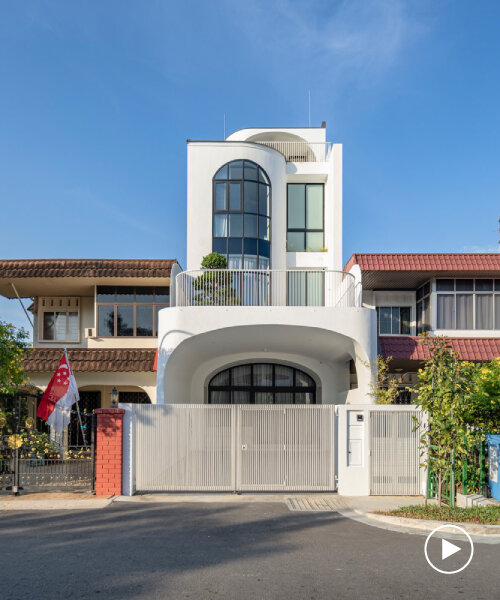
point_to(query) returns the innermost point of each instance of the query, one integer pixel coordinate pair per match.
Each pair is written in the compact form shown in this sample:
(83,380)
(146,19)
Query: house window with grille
(129,311)
(59,319)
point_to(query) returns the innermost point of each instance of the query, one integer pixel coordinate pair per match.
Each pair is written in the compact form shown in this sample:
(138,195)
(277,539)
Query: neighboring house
(284,325)
(105,312)
(451,295)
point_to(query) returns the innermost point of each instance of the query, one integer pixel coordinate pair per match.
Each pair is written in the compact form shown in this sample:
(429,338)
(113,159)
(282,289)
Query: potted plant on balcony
(214,287)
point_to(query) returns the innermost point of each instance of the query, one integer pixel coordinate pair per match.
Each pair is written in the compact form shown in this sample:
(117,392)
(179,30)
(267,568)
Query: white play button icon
(439,547)
(448,549)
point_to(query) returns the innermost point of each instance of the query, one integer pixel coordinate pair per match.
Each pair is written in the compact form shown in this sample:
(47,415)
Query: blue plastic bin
(494,464)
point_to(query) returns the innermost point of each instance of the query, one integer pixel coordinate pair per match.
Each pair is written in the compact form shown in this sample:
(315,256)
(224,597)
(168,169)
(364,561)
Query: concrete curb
(416,526)
(22,504)
(427,525)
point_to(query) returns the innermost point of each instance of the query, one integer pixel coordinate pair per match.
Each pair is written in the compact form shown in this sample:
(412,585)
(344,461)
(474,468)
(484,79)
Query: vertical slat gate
(395,453)
(183,447)
(217,448)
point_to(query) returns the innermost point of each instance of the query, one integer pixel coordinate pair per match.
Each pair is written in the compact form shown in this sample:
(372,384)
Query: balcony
(242,287)
(300,151)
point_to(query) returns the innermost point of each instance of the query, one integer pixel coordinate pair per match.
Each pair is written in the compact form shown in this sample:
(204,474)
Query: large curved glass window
(241,215)
(262,383)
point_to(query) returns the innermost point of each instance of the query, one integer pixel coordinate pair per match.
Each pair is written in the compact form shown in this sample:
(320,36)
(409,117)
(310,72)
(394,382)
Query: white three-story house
(283,324)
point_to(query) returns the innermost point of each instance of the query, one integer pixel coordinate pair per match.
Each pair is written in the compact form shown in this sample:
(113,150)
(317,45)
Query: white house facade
(283,324)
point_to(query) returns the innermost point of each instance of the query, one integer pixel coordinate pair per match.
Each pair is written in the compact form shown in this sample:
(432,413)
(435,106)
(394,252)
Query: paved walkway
(54,501)
(334,501)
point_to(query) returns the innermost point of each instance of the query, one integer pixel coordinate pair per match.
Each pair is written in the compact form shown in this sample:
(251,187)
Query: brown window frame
(115,304)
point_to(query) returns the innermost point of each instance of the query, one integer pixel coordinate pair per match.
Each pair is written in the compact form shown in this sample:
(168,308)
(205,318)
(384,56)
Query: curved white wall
(204,160)
(195,342)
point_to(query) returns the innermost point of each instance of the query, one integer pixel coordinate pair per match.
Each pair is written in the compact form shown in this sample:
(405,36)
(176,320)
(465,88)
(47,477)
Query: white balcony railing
(301,151)
(242,287)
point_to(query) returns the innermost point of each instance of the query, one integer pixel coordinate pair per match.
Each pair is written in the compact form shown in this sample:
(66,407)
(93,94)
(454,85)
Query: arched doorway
(262,383)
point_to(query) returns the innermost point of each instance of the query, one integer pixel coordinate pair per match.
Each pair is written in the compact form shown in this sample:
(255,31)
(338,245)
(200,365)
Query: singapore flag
(59,397)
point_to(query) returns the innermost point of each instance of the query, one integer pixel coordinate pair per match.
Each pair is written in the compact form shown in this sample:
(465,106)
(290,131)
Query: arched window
(241,215)
(262,383)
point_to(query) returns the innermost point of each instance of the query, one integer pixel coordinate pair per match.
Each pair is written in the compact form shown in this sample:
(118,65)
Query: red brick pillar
(109,450)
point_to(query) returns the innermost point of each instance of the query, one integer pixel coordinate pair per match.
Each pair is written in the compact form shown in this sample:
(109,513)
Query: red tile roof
(425,262)
(405,347)
(409,271)
(81,267)
(92,360)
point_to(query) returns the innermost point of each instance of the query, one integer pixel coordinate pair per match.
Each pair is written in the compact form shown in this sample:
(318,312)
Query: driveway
(204,551)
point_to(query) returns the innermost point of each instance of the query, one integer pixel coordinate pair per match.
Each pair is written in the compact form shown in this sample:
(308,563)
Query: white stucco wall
(195,342)
(205,159)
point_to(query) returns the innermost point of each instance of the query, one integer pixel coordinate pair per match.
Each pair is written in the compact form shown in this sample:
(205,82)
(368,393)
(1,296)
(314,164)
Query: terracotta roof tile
(411,348)
(86,268)
(425,262)
(92,360)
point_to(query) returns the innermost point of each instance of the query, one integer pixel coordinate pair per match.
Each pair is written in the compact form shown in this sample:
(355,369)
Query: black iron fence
(34,458)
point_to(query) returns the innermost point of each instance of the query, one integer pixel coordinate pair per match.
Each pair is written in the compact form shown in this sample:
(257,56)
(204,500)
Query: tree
(215,287)
(214,260)
(461,401)
(13,348)
(384,388)
(483,410)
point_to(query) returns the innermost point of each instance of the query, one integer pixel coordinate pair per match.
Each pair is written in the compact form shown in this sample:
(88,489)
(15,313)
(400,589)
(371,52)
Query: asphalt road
(240,551)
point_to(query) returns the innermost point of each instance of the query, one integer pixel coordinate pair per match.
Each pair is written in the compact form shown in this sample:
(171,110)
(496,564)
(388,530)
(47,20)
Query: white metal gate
(395,453)
(195,447)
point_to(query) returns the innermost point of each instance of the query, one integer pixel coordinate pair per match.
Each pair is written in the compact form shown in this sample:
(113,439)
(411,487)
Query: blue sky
(99,97)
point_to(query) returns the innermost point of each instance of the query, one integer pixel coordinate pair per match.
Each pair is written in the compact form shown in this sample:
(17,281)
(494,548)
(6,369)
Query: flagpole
(77,401)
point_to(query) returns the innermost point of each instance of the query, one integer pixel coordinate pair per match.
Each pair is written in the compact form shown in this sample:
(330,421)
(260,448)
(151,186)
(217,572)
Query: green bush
(214,260)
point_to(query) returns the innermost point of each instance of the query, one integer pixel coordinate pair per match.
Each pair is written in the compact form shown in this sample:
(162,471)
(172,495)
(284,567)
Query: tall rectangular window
(445,311)
(130,311)
(484,311)
(305,288)
(424,308)
(305,217)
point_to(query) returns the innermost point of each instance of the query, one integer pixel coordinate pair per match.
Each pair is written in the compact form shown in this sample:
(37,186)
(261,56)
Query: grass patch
(484,515)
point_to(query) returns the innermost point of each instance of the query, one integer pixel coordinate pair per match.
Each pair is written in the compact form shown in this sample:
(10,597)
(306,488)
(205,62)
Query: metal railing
(301,151)
(246,287)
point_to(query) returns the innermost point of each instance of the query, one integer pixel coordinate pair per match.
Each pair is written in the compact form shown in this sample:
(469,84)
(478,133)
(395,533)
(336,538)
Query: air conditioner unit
(90,332)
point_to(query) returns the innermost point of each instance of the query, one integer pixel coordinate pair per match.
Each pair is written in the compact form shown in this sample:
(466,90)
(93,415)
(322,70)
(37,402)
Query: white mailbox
(355,438)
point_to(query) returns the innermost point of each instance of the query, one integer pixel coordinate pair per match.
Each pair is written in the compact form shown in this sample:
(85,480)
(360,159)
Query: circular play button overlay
(448,556)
